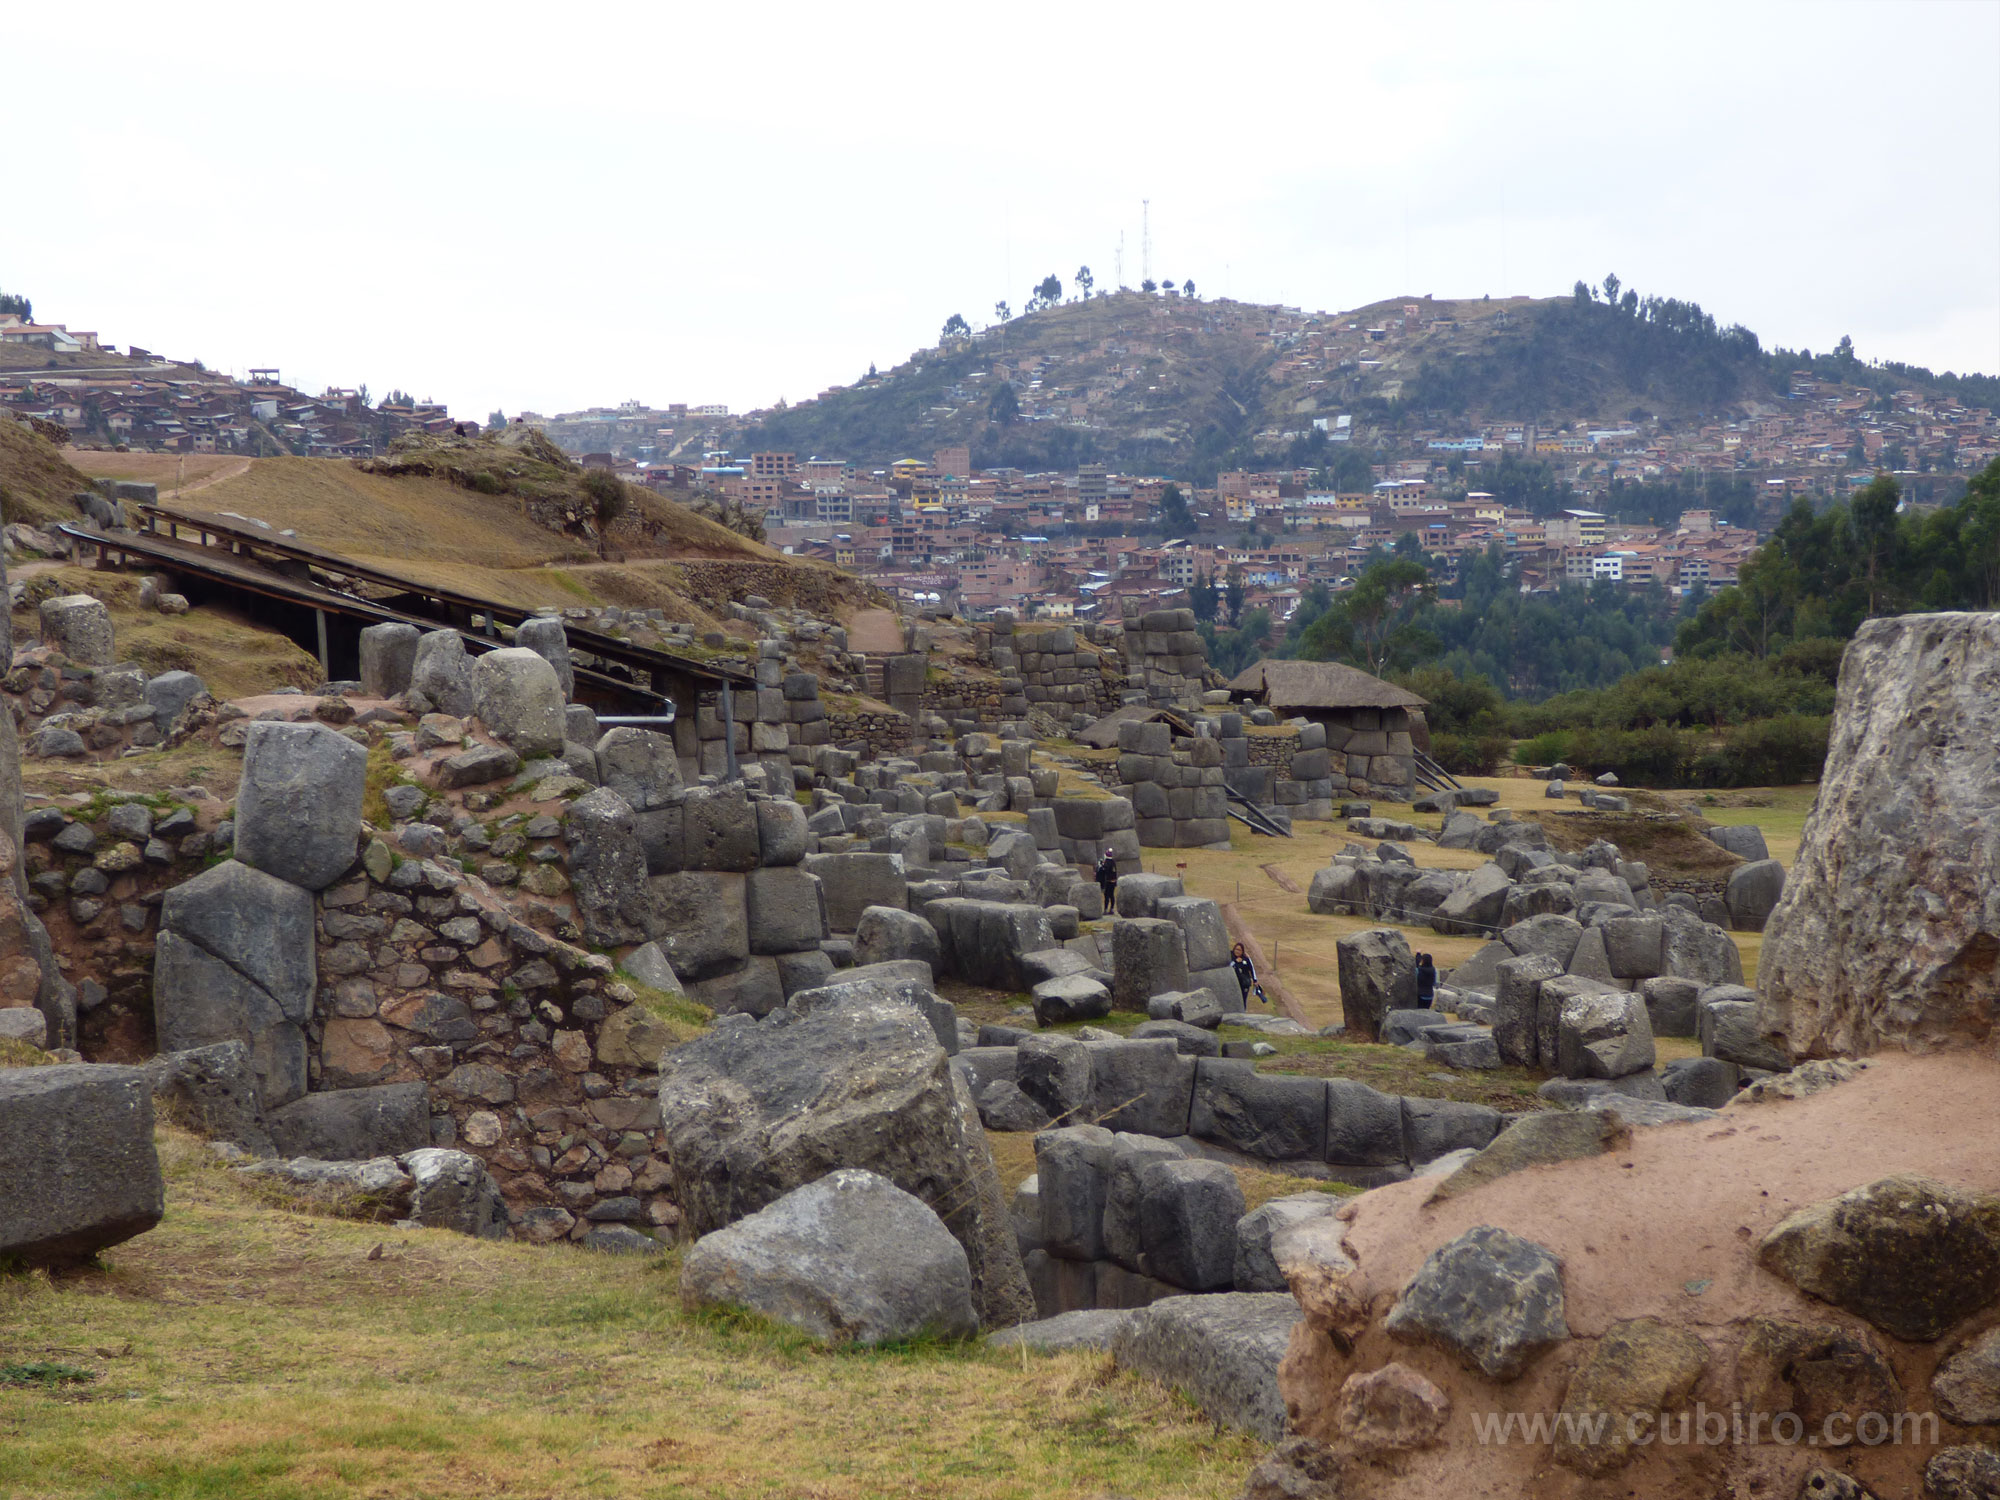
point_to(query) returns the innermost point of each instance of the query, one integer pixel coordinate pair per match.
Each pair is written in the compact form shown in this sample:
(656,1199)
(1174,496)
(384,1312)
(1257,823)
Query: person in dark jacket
(1246,973)
(1427,981)
(1107,879)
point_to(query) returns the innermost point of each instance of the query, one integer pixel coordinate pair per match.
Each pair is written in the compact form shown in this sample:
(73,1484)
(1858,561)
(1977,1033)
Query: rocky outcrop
(1888,931)
(754,1109)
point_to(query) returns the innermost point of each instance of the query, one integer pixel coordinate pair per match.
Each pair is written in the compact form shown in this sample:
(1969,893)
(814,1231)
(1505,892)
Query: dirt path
(875,632)
(227,471)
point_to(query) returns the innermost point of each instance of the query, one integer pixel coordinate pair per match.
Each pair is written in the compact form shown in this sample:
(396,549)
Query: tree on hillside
(1234,594)
(1174,512)
(1611,289)
(1168,285)
(1084,282)
(1005,407)
(1187,288)
(1048,292)
(1001,311)
(955,328)
(1376,624)
(495,420)
(1581,293)
(11,302)
(608,500)
(1149,285)
(1201,598)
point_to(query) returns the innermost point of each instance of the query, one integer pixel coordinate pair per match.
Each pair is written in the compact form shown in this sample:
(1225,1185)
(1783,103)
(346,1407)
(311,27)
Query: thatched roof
(1102,734)
(1286,685)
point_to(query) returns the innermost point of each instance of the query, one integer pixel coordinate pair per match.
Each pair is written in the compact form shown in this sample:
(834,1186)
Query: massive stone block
(520,699)
(79,627)
(639,765)
(1378,974)
(1888,931)
(77,1159)
(1148,958)
(388,654)
(442,673)
(234,961)
(547,639)
(754,1109)
(855,881)
(699,921)
(298,806)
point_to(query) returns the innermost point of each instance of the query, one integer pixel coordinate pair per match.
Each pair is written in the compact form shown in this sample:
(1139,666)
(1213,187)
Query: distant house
(1374,729)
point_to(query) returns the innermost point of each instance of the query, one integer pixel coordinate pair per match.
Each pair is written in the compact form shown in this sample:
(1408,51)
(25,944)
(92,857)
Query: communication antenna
(1145,240)
(1121,260)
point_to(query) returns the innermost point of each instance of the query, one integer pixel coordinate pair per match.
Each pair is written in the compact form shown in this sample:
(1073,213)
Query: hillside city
(934,529)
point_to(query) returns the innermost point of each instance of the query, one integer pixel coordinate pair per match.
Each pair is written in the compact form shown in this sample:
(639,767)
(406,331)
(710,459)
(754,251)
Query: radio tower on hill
(1145,240)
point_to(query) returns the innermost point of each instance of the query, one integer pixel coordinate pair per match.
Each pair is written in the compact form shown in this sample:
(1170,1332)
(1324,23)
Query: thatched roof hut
(1292,687)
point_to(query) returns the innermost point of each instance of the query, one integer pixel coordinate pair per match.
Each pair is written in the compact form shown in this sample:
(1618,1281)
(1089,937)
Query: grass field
(241,1352)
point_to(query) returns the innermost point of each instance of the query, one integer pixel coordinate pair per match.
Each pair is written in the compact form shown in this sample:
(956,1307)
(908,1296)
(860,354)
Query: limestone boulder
(1489,1298)
(753,1109)
(298,805)
(849,1258)
(1752,893)
(1889,924)
(545,636)
(77,1158)
(79,627)
(1913,1256)
(1638,1369)
(235,961)
(520,699)
(1378,974)
(640,766)
(388,656)
(441,674)
(1221,1351)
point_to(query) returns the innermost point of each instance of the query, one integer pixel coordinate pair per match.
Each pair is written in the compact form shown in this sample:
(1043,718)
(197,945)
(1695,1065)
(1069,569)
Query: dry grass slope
(249,1352)
(36,479)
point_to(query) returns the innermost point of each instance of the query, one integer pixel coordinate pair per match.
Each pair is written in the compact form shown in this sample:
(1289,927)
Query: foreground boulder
(1888,929)
(76,1160)
(298,806)
(1913,1256)
(851,1258)
(753,1110)
(1220,1351)
(1490,1298)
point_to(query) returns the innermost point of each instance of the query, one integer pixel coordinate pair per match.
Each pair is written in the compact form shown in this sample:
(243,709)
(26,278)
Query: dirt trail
(875,632)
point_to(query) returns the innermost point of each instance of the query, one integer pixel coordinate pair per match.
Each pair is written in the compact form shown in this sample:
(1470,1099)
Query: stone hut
(1374,724)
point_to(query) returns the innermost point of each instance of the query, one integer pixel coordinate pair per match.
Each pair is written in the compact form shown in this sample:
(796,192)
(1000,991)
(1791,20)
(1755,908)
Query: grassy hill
(509,522)
(36,477)
(1172,384)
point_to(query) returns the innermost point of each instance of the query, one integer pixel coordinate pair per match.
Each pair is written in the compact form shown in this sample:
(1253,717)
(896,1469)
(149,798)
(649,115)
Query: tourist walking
(1427,981)
(1107,879)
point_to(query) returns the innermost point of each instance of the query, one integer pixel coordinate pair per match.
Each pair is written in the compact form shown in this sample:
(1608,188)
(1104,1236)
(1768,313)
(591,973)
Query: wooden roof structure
(1290,685)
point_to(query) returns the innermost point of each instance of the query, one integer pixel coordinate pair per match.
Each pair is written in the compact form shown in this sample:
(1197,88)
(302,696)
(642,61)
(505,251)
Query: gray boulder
(1148,959)
(1490,1299)
(77,1158)
(298,806)
(1086,1328)
(355,1124)
(1671,1005)
(453,1190)
(1220,1351)
(884,933)
(855,881)
(607,870)
(1752,894)
(441,674)
(639,765)
(1517,1006)
(1125,1197)
(520,700)
(699,920)
(1604,1035)
(1699,1082)
(1378,974)
(235,961)
(1073,1174)
(786,912)
(1056,1073)
(1201,925)
(1187,1223)
(170,693)
(751,1110)
(1256,1267)
(546,637)
(1070,997)
(212,1091)
(1270,1115)
(79,627)
(850,1258)
(1694,949)
(1730,1023)
(1476,906)
(1193,1007)
(1744,840)
(388,656)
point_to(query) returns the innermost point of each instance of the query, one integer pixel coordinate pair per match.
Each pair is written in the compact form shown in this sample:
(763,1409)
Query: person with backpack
(1427,980)
(1107,879)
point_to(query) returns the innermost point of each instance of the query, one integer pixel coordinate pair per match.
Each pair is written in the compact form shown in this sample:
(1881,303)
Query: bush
(1770,752)
(1469,754)
(1545,749)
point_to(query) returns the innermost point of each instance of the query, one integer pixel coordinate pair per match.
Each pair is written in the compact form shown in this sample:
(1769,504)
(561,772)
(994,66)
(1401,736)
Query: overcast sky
(551,207)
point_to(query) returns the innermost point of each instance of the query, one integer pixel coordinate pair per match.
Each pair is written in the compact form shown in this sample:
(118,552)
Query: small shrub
(1544,749)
